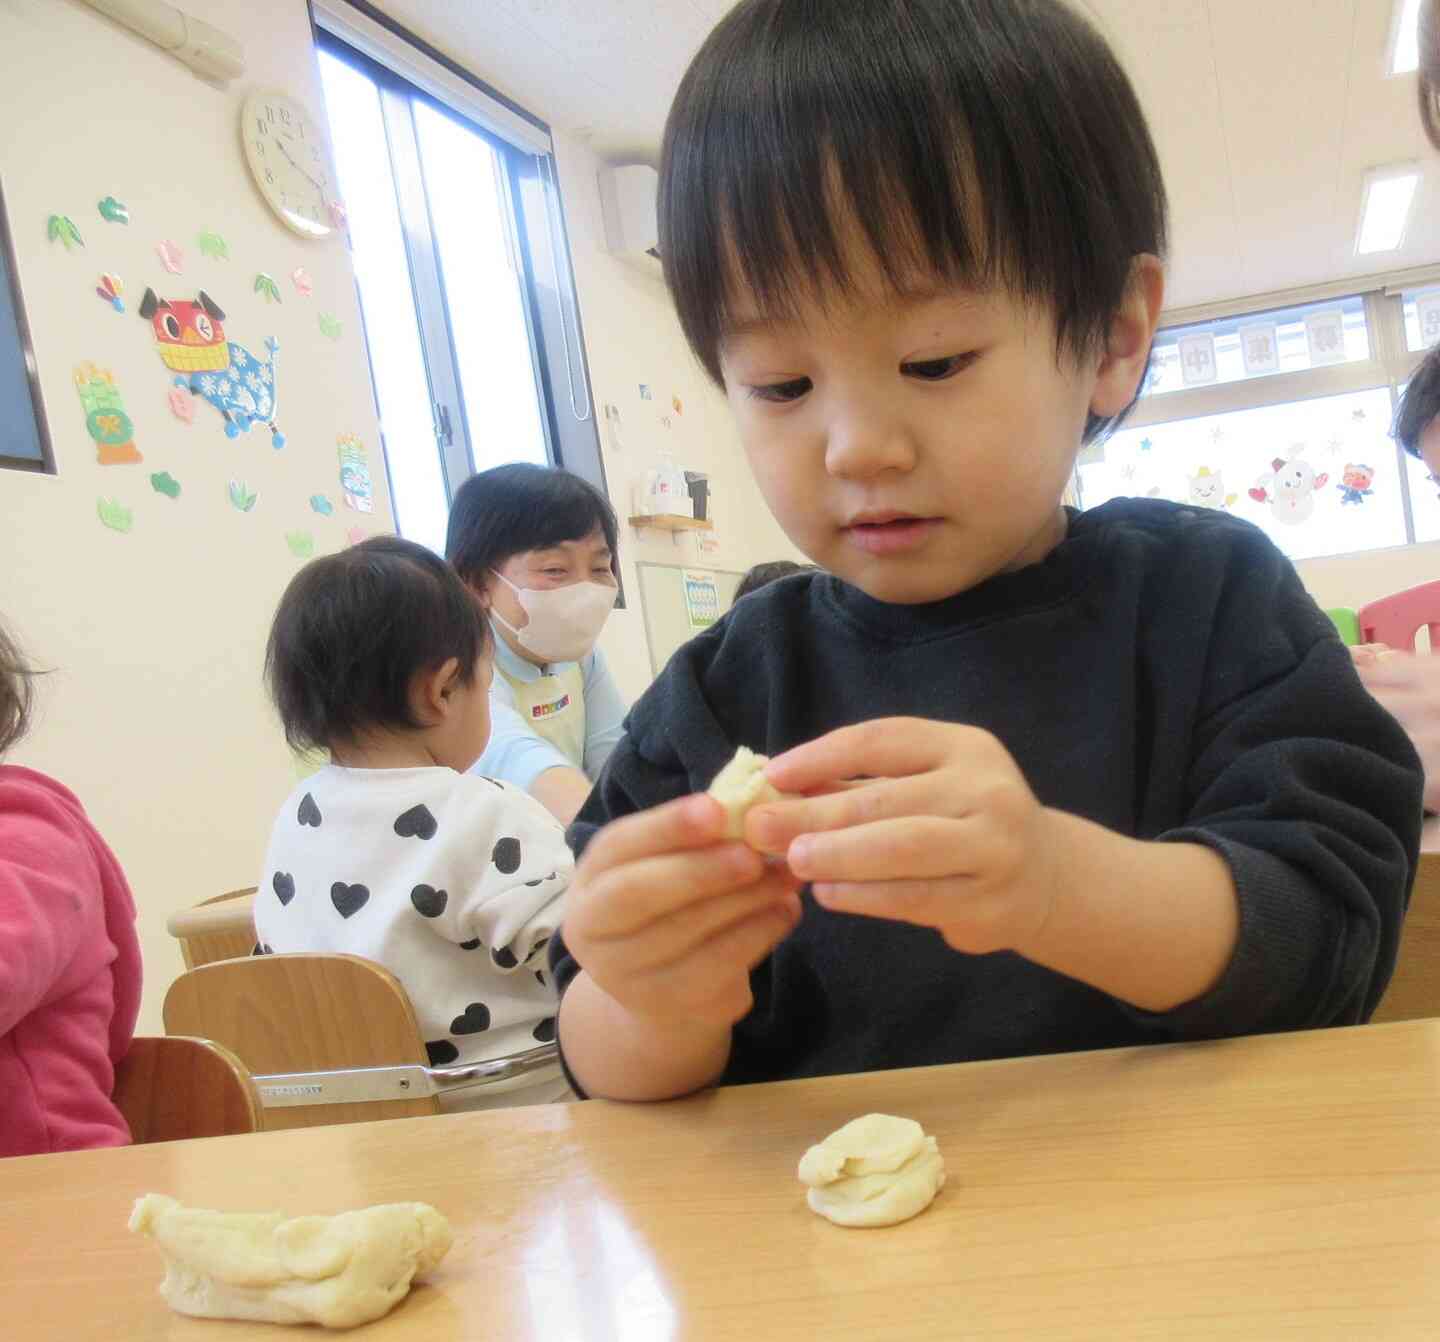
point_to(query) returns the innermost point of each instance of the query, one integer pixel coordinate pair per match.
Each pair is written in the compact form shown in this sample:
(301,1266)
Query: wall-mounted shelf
(672,522)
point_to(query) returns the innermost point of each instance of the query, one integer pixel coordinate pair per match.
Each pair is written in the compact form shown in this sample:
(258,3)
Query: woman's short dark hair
(1420,404)
(17,691)
(354,629)
(762,575)
(987,142)
(508,510)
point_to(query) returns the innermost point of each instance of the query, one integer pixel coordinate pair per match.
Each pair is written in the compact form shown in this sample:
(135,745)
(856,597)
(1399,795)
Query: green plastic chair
(1347,625)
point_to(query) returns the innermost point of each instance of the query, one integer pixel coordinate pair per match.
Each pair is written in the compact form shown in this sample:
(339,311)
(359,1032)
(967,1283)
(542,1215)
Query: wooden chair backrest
(173,1088)
(305,1013)
(1414,991)
(221,928)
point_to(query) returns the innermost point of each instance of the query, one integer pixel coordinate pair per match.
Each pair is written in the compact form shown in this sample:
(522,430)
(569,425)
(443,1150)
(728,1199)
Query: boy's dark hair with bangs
(1420,404)
(508,510)
(354,629)
(986,142)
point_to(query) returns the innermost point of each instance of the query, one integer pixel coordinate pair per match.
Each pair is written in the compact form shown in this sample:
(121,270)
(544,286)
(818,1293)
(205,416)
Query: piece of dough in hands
(742,784)
(875,1171)
(338,1271)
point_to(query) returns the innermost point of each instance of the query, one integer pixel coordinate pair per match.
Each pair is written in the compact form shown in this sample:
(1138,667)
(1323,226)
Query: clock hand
(299,169)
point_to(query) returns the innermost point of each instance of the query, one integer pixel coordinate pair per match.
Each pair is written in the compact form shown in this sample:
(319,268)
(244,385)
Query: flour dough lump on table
(875,1171)
(338,1271)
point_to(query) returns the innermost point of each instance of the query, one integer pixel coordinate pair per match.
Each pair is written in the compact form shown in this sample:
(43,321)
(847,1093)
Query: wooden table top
(1280,1187)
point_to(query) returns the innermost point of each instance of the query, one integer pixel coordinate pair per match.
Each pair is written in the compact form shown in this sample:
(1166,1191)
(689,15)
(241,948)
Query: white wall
(1354,580)
(155,714)
(633,337)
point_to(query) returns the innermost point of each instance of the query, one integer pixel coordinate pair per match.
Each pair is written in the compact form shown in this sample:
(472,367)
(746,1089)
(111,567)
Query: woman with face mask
(538,548)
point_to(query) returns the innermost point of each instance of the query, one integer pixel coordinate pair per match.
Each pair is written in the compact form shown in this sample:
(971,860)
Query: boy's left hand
(949,835)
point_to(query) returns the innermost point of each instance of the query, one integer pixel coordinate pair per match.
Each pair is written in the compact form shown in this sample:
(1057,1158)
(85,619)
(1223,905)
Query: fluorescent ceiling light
(1389,193)
(1405,37)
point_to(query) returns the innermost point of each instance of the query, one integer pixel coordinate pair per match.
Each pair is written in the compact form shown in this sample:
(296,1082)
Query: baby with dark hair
(393,852)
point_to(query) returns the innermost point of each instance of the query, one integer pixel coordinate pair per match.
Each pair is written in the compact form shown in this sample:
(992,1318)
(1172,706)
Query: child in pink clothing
(69,956)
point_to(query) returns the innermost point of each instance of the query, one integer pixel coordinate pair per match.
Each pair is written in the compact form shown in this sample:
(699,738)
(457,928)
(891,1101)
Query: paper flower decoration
(212,244)
(114,515)
(61,228)
(321,505)
(241,496)
(171,255)
(266,287)
(301,543)
(110,288)
(162,482)
(300,278)
(330,325)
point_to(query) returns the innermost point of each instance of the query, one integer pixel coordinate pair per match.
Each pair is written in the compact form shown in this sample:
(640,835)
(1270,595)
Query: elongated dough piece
(338,1271)
(875,1171)
(740,785)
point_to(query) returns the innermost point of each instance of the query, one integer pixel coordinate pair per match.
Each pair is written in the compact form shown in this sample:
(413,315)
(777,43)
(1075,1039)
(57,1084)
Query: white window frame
(1390,365)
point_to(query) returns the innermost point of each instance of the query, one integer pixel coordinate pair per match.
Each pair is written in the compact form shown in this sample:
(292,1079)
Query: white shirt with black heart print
(453,882)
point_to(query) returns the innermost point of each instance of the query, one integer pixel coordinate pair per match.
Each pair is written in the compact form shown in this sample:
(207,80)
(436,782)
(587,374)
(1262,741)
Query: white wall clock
(289,158)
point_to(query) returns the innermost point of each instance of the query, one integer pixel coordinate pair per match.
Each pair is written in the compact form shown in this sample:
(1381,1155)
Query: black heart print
(475,1019)
(440,1052)
(283,885)
(470,945)
(506,856)
(416,823)
(309,813)
(429,902)
(504,958)
(348,899)
(545,1031)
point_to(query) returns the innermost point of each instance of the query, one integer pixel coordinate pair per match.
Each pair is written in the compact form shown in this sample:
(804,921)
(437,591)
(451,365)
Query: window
(472,327)
(1286,340)
(24,444)
(1281,417)
(1422,319)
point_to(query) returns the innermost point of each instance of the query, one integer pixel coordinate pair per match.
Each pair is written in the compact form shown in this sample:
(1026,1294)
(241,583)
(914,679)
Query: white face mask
(564,621)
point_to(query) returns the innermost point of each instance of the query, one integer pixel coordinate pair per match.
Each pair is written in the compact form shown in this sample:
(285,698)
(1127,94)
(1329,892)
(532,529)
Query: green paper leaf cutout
(115,515)
(321,505)
(212,244)
(162,482)
(301,543)
(267,288)
(61,228)
(241,496)
(330,325)
(112,211)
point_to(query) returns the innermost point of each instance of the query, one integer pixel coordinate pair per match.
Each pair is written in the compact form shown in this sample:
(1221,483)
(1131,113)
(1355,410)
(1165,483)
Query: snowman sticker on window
(1289,488)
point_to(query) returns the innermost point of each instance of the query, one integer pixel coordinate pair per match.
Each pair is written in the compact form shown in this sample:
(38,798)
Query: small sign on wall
(702,600)
(1325,335)
(1427,309)
(1260,348)
(1197,359)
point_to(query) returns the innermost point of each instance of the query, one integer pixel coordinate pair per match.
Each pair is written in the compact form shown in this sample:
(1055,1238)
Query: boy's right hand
(668,917)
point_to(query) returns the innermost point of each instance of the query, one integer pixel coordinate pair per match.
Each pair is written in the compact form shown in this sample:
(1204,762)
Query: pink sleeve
(49,899)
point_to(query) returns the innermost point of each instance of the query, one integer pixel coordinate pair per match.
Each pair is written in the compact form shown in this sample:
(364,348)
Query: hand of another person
(668,917)
(950,837)
(1408,686)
